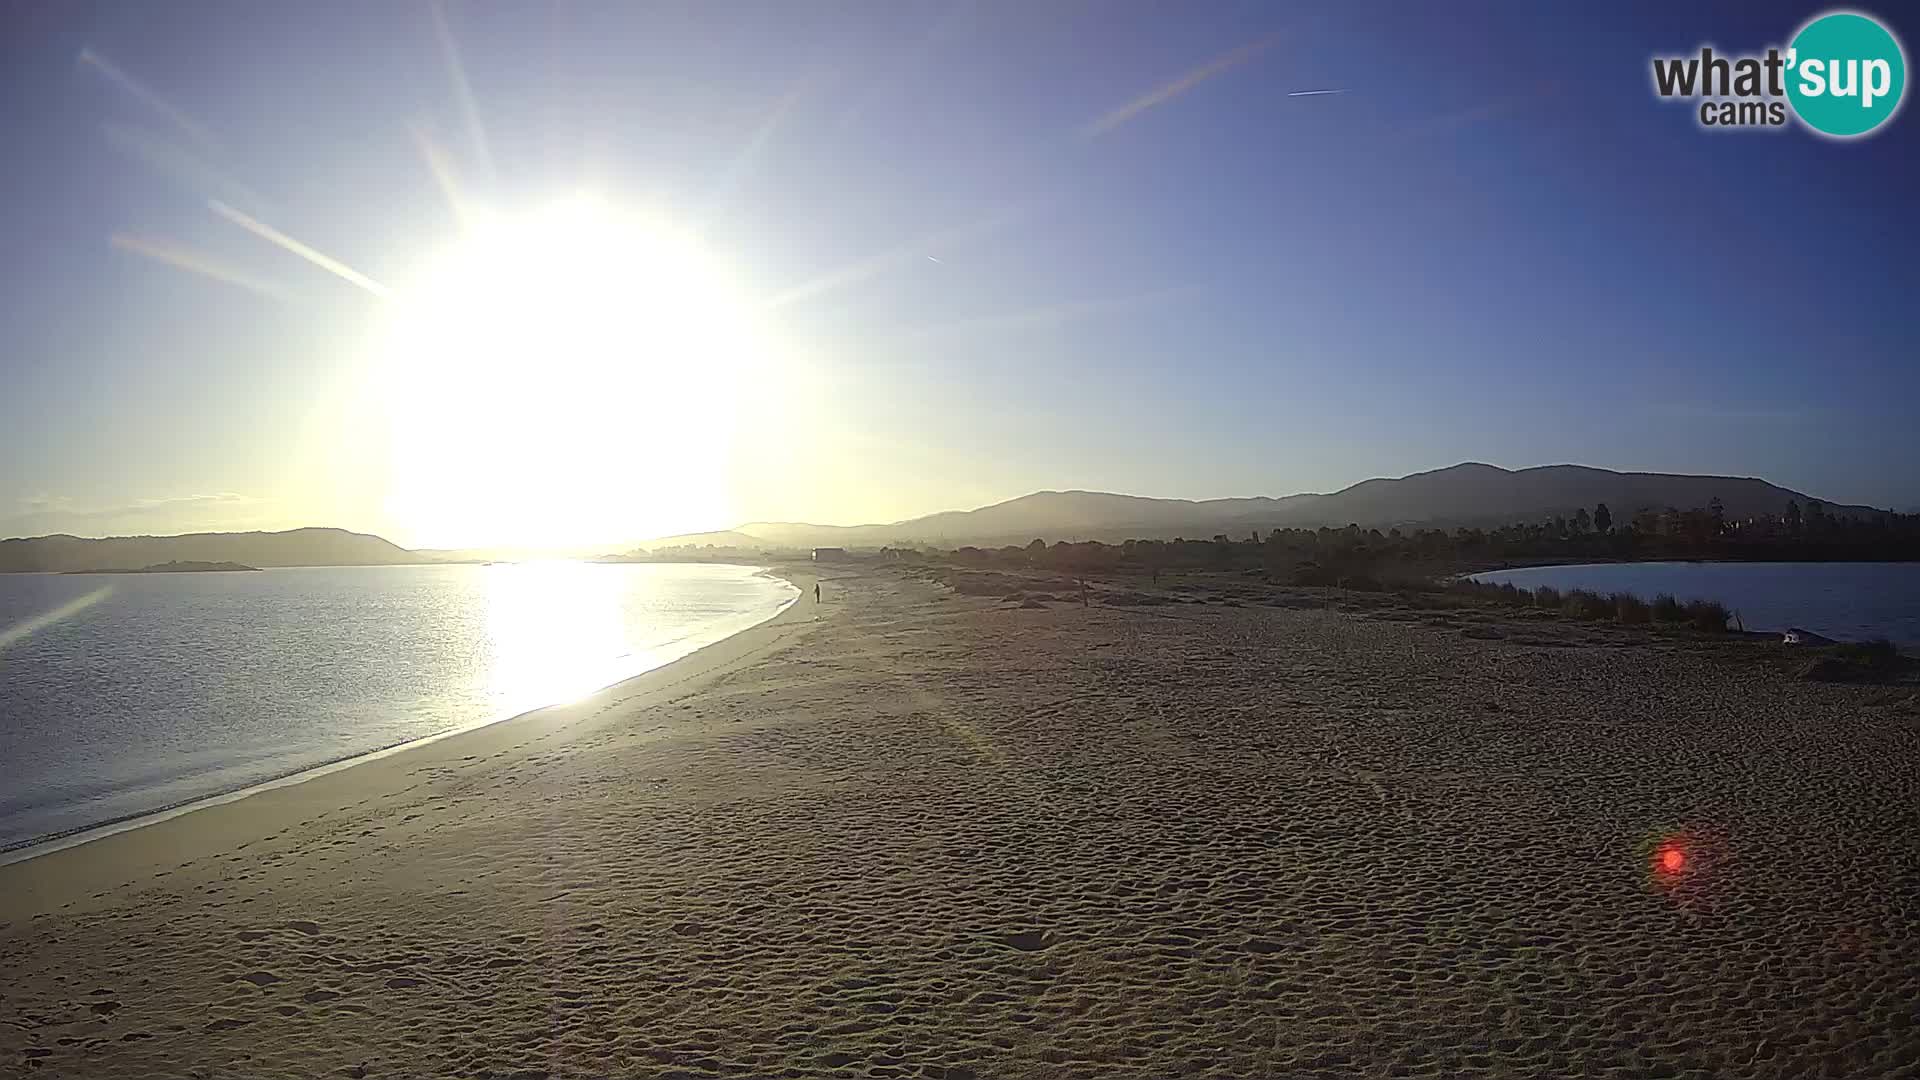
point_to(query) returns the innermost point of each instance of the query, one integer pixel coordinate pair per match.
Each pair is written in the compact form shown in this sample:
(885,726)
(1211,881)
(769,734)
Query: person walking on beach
(816,592)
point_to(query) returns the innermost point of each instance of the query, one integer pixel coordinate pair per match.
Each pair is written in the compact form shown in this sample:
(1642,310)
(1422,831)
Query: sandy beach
(910,833)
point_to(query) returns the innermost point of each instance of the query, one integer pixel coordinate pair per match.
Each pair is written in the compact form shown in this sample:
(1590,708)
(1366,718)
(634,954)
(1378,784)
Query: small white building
(830,555)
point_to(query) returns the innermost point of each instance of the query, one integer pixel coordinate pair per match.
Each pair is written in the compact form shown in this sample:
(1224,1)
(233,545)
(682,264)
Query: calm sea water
(1849,601)
(122,695)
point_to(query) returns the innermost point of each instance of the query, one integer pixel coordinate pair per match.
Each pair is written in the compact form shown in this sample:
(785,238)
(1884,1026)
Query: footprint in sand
(261,978)
(226,1023)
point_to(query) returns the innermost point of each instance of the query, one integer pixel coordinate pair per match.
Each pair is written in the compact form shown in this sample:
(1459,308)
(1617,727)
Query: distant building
(830,555)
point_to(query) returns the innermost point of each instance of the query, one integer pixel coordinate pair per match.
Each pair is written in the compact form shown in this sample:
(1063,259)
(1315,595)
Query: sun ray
(462,89)
(443,173)
(943,25)
(1041,315)
(193,262)
(743,161)
(318,258)
(194,130)
(910,252)
(1218,66)
(182,166)
(65,611)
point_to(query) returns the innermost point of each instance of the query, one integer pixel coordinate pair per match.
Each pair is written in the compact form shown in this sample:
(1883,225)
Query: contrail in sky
(1219,65)
(1314,93)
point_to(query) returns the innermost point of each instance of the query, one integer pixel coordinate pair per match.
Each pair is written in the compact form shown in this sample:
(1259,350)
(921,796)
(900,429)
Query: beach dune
(910,834)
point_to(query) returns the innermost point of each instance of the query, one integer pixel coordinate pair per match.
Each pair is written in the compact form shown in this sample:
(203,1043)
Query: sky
(898,258)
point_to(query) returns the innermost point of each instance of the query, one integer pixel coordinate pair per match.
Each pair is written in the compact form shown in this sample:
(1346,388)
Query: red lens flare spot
(1672,859)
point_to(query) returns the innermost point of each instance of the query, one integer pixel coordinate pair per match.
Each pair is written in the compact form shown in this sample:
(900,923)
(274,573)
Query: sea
(1848,601)
(125,695)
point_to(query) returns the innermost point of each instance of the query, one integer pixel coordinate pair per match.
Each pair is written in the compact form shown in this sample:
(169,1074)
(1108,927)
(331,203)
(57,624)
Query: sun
(567,376)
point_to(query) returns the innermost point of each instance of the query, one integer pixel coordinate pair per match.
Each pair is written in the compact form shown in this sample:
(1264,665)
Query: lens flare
(1672,860)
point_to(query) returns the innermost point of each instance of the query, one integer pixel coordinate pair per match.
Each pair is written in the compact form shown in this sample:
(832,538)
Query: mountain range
(295,547)
(1466,494)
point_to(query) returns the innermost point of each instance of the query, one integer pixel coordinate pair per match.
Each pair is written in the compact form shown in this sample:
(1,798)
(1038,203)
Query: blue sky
(1496,245)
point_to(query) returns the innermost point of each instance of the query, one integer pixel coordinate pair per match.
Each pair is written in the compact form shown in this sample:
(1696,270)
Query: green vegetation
(1666,609)
(1630,609)
(1589,604)
(1371,560)
(1706,615)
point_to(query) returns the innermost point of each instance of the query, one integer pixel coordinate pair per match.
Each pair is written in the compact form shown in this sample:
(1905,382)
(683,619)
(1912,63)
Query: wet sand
(909,833)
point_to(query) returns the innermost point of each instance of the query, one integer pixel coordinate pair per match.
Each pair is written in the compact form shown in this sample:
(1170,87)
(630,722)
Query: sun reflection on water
(556,632)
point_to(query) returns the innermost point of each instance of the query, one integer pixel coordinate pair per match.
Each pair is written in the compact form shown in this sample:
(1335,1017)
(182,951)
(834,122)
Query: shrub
(1878,652)
(1503,593)
(1629,608)
(1589,604)
(1708,615)
(1667,609)
(1546,596)
(1312,574)
(1863,660)
(978,584)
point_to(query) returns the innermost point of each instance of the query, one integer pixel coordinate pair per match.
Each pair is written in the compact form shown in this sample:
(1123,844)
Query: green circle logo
(1846,74)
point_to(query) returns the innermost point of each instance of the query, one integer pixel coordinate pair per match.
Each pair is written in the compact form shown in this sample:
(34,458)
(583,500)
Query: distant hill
(1466,494)
(723,538)
(296,547)
(180,568)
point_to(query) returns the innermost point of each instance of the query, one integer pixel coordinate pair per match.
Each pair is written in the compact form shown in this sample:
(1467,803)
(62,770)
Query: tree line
(1354,556)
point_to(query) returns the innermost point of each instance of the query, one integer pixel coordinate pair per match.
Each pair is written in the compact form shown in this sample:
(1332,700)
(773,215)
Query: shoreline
(27,853)
(1775,614)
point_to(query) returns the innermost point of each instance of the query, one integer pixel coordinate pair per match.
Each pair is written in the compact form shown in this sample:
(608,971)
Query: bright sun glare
(561,377)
